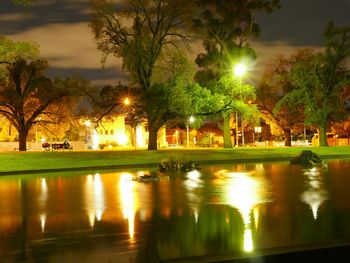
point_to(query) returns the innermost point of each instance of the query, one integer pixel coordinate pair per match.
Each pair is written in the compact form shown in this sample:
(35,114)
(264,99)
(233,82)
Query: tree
(320,82)
(7,133)
(225,27)
(27,97)
(137,32)
(237,97)
(11,51)
(174,96)
(281,113)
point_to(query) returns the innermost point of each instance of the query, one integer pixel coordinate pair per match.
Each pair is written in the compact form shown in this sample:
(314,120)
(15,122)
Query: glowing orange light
(126,101)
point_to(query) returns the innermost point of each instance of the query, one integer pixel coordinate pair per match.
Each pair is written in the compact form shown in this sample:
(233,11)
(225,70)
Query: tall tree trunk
(152,137)
(322,135)
(287,137)
(227,132)
(22,140)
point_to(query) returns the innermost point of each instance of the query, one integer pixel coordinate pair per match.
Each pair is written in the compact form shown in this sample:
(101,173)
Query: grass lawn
(29,161)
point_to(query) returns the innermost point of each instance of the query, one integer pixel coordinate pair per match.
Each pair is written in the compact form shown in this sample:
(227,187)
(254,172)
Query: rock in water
(169,164)
(307,158)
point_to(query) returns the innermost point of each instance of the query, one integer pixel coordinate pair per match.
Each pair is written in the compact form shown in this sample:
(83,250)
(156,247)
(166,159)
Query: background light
(126,101)
(240,70)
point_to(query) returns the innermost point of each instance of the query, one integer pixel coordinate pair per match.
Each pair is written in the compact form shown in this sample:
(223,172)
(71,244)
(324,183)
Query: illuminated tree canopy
(27,96)
(138,32)
(281,114)
(320,81)
(225,28)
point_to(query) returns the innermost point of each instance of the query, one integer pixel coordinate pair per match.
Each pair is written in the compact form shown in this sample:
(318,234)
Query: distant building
(115,131)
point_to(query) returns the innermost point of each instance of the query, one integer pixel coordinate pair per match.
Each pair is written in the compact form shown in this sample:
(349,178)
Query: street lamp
(239,70)
(191,119)
(126,101)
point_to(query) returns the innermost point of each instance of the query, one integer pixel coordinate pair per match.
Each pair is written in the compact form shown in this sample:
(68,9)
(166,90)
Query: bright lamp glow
(126,101)
(87,123)
(240,70)
(191,119)
(128,201)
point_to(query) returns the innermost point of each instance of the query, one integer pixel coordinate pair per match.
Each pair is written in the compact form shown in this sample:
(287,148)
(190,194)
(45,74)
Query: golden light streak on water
(128,201)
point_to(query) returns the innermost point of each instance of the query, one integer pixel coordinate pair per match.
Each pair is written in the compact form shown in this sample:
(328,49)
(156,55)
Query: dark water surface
(218,212)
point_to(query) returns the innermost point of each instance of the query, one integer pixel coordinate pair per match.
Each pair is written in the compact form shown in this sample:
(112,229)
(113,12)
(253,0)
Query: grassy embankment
(46,161)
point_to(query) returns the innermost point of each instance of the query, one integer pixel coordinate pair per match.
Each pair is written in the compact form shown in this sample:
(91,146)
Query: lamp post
(190,120)
(239,71)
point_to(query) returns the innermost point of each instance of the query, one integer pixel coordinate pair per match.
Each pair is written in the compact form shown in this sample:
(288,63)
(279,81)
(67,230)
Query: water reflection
(314,194)
(245,191)
(42,202)
(226,209)
(128,201)
(94,198)
(192,183)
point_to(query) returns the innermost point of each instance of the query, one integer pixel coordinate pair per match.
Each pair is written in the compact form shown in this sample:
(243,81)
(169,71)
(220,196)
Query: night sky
(61,29)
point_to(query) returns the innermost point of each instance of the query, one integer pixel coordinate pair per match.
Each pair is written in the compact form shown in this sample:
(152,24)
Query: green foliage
(22,2)
(319,81)
(234,96)
(225,27)
(280,103)
(138,32)
(11,50)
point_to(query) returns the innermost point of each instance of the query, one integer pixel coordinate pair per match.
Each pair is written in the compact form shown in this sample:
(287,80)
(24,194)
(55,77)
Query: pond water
(230,210)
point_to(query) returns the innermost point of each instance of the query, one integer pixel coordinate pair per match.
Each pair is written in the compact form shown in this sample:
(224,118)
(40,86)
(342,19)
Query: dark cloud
(15,19)
(97,76)
(301,22)
(60,27)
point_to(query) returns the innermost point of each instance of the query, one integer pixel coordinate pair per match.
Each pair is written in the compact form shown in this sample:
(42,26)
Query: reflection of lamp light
(194,181)
(43,222)
(127,197)
(42,202)
(95,198)
(314,195)
(244,192)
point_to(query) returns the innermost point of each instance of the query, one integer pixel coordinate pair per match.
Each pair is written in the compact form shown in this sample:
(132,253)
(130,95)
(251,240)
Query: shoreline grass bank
(37,162)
